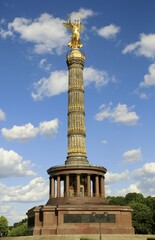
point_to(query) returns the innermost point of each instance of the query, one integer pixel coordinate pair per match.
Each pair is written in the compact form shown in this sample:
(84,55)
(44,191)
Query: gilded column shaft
(76,114)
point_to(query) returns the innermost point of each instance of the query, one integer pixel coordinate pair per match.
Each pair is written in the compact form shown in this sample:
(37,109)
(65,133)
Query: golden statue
(75,27)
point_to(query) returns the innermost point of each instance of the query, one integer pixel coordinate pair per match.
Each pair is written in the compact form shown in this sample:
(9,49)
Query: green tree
(138,197)
(142,218)
(150,201)
(116,200)
(16,224)
(19,230)
(3,226)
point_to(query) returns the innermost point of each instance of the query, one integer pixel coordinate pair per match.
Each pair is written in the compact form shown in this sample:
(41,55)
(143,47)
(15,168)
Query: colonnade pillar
(78,185)
(52,187)
(88,185)
(96,186)
(58,186)
(97,181)
(67,186)
(102,188)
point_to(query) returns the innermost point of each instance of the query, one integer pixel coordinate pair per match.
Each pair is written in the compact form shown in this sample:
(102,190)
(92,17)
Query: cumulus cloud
(100,78)
(25,132)
(145,170)
(49,128)
(57,82)
(149,79)
(2,115)
(133,155)
(4,208)
(53,85)
(24,195)
(108,32)
(119,114)
(130,189)
(12,164)
(35,191)
(82,13)
(46,32)
(145,178)
(5,33)
(28,131)
(15,214)
(140,180)
(144,47)
(116,177)
(44,65)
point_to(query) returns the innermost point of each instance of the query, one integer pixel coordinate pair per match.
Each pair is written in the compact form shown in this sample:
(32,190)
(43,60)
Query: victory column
(77,202)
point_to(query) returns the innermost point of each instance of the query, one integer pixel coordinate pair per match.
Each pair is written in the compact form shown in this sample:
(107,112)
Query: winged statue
(75,28)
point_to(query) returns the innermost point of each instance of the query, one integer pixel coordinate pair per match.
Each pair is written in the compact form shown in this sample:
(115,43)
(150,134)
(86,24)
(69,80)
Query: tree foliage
(19,229)
(143,217)
(119,200)
(137,197)
(3,226)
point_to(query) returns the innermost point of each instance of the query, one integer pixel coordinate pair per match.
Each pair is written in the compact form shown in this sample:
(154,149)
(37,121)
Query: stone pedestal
(82,219)
(77,205)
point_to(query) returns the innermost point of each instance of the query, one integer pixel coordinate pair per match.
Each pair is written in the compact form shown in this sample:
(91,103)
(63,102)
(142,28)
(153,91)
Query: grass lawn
(83,237)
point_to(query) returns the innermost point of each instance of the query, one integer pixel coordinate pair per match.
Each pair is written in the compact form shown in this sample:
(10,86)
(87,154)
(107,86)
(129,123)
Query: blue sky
(119,76)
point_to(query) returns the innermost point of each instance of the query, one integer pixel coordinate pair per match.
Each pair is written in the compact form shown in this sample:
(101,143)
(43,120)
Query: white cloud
(143,95)
(5,33)
(141,180)
(44,65)
(147,185)
(3,21)
(15,215)
(108,32)
(116,177)
(133,155)
(4,208)
(35,191)
(28,131)
(46,32)
(2,115)
(12,164)
(57,82)
(120,114)
(148,169)
(100,78)
(24,195)
(145,178)
(25,132)
(82,13)
(144,47)
(131,47)
(9,210)
(149,79)
(132,188)
(49,128)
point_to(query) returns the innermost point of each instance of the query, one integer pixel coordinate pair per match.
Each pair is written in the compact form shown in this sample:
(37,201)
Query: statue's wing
(68,25)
